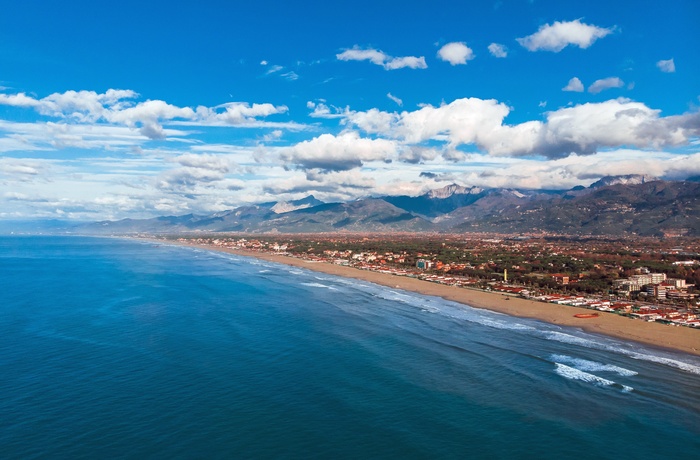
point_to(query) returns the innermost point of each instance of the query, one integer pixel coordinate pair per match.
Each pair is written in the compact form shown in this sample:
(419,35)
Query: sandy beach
(677,338)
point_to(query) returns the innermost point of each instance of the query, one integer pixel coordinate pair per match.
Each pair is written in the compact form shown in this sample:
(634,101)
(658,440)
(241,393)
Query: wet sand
(677,338)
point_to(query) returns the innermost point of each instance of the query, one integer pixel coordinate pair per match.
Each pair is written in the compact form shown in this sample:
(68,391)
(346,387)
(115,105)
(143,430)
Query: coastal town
(646,279)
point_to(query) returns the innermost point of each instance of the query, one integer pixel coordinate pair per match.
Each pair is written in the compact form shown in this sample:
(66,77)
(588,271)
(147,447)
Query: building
(649,278)
(424,264)
(635,283)
(677,283)
(656,290)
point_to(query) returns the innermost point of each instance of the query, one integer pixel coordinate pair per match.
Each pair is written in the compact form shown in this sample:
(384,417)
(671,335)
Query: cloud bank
(118,108)
(373,151)
(582,129)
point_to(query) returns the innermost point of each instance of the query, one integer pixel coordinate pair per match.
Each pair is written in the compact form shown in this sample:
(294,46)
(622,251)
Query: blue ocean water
(113,348)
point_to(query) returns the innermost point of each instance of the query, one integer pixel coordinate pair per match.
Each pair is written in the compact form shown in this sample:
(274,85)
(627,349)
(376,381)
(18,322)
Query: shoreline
(675,338)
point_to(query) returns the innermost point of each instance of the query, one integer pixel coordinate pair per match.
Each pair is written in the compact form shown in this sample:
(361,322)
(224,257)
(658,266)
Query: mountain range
(613,206)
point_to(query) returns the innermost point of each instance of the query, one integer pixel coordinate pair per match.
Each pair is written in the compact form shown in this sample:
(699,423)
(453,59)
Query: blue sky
(139,109)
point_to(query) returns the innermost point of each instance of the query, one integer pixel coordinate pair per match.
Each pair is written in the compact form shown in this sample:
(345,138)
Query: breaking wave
(572,373)
(592,366)
(319,285)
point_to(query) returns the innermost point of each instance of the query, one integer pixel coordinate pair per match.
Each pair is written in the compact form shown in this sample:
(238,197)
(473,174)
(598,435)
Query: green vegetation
(590,264)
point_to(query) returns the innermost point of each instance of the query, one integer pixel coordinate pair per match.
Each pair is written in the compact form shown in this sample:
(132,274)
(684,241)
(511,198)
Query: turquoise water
(114,348)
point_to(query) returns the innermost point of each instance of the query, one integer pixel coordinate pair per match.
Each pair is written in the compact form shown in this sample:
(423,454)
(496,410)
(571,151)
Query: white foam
(456,311)
(592,366)
(507,325)
(572,373)
(620,348)
(319,285)
(667,361)
(399,297)
(572,339)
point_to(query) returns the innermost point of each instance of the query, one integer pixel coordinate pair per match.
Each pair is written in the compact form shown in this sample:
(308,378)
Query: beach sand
(677,338)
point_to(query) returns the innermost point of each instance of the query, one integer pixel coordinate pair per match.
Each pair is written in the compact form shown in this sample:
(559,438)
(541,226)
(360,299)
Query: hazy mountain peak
(628,179)
(453,189)
(287,206)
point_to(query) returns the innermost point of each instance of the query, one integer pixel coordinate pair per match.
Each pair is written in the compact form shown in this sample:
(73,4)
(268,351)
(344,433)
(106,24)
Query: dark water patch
(114,348)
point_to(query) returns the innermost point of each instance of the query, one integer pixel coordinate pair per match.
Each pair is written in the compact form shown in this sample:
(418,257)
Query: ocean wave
(576,340)
(455,310)
(364,285)
(694,369)
(507,325)
(319,285)
(572,373)
(395,296)
(551,332)
(592,366)
(622,348)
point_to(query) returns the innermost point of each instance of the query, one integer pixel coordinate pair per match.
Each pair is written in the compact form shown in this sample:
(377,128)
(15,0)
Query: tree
(696,277)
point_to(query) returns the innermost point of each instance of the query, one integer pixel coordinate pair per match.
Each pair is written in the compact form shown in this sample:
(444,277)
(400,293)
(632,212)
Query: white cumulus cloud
(357,54)
(186,180)
(102,111)
(667,66)
(456,53)
(382,59)
(83,106)
(149,115)
(204,161)
(574,85)
(582,129)
(411,62)
(338,153)
(238,113)
(557,36)
(323,110)
(498,50)
(605,83)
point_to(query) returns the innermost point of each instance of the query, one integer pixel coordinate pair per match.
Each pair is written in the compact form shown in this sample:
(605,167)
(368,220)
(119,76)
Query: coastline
(675,338)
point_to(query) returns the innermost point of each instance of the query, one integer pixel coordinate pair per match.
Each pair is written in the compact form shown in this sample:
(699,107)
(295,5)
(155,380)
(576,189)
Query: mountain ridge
(628,205)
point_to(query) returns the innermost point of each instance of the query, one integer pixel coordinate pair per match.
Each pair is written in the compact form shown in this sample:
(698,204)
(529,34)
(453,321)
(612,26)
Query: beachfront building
(656,290)
(635,283)
(424,264)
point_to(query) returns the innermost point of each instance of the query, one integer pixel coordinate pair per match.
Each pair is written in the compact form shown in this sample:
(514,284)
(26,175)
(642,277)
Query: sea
(115,348)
